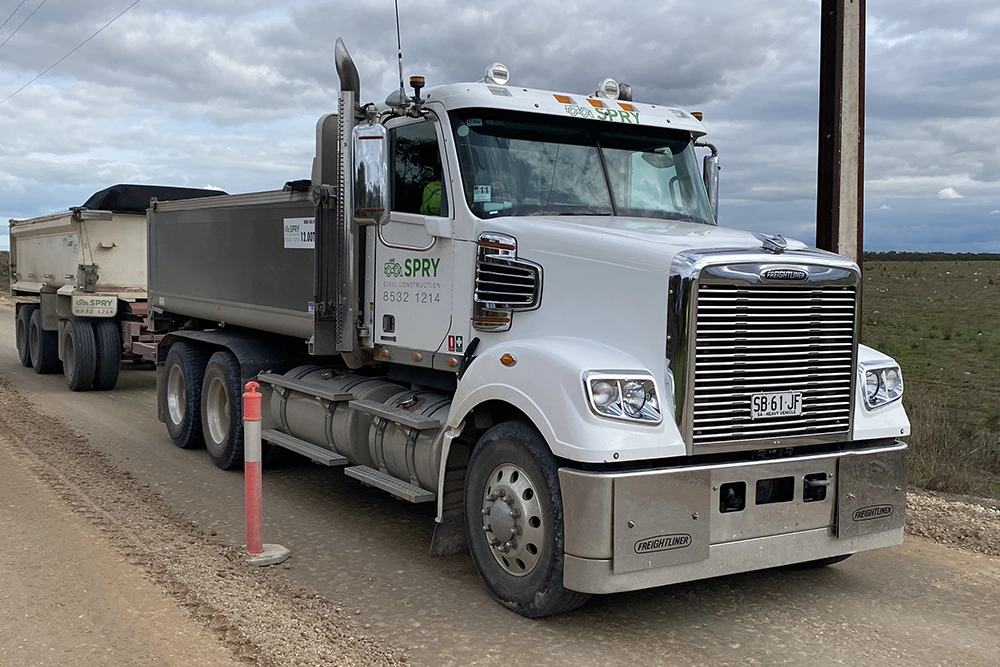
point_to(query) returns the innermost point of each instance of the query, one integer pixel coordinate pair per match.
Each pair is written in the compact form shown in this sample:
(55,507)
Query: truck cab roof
(572,105)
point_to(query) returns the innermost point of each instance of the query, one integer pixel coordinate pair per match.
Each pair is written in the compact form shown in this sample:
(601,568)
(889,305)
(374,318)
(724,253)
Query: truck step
(398,415)
(396,487)
(276,380)
(317,454)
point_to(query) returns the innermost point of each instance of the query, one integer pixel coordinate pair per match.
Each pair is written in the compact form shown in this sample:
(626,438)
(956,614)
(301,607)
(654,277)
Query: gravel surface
(962,522)
(254,611)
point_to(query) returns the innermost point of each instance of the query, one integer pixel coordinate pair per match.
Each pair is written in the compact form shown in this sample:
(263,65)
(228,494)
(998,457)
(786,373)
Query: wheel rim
(176,395)
(513,523)
(217,411)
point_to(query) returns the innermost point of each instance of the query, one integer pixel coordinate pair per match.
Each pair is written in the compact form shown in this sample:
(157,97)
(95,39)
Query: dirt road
(919,604)
(67,596)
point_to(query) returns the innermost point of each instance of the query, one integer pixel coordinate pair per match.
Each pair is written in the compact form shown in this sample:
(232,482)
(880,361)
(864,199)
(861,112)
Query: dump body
(243,260)
(47,254)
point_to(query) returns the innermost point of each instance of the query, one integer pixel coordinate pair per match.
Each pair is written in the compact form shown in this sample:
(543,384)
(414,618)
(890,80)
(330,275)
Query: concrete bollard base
(272,555)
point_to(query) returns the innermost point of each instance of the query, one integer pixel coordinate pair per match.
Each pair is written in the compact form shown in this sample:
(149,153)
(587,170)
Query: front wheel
(514,521)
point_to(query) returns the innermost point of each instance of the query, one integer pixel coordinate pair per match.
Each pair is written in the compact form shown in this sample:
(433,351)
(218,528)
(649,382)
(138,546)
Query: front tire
(22,325)
(43,346)
(222,411)
(79,354)
(821,562)
(514,521)
(184,370)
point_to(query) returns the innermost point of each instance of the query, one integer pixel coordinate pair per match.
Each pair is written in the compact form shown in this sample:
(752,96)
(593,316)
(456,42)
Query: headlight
(883,384)
(626,396)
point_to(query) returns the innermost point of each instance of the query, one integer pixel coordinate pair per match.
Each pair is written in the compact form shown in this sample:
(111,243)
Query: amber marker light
(452,362)
(563,99)
(416,356)
(626,106)
(508,360)
(595,103)
(697,114)
(384,353)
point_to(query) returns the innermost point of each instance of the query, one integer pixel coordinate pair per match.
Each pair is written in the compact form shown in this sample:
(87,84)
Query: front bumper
(632,530)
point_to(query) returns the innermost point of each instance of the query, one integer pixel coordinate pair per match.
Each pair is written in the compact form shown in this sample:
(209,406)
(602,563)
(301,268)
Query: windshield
(521,164)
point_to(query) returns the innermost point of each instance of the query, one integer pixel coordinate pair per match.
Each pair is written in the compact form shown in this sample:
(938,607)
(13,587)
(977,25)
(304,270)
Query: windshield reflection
(519,164)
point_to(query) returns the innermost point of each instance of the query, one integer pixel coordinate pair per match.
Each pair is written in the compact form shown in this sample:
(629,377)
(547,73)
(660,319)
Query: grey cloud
(227,92)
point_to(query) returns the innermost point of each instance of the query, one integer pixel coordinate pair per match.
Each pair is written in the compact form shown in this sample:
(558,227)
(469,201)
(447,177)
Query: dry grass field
(941,321)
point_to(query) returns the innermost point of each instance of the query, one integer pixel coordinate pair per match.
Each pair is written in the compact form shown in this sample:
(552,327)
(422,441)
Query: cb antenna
(399,52)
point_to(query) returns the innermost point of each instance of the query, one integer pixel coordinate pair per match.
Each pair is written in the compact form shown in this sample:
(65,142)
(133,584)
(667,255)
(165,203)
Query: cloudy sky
(226,93)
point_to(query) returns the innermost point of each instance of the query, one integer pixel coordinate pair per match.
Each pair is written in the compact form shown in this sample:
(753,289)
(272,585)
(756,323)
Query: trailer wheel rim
(176,395)
(514,524)
(217,414)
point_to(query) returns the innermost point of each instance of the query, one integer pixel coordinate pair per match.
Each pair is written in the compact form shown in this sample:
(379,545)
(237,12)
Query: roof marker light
(626,106)
(697,114)
(497,73)
(608,89)
(595,103)
(563,99)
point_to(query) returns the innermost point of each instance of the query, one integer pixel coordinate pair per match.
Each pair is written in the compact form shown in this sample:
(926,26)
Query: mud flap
(871,493)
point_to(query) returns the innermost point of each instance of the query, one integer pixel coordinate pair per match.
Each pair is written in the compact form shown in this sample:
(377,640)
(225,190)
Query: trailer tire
(22,325)
(222,410)
(108,341)
(511,469)
(79,354)
(43,346)
(183,372)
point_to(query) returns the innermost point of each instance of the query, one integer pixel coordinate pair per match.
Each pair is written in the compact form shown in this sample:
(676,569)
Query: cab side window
(417,185)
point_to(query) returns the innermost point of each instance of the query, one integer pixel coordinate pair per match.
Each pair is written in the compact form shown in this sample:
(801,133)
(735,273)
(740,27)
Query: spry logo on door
(412,267)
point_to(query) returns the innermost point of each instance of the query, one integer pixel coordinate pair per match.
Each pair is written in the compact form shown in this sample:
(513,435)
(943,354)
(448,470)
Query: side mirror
(371,174)
(710,174)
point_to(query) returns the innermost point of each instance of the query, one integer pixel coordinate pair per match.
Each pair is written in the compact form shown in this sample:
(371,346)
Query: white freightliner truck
(517,304)
(78,278)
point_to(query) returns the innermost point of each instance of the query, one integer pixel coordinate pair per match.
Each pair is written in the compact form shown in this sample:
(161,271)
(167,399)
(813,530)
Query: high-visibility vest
(431,204)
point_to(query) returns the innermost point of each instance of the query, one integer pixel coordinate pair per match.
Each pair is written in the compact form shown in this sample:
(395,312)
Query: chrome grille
(506,283)
(766,338)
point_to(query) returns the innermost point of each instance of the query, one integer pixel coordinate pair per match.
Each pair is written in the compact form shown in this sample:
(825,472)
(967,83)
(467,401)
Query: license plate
(776,404)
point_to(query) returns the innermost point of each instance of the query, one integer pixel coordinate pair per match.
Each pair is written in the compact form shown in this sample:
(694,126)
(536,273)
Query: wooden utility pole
(841,173)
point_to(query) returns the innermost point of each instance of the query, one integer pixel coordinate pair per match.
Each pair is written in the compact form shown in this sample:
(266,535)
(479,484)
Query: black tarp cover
(126,198)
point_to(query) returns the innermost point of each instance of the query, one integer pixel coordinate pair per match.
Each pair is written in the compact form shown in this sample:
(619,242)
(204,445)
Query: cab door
(414,254)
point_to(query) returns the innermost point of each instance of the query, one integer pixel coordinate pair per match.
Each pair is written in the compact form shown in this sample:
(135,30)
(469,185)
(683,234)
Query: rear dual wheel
(43,346)
(204,402)
(79,354)
(22,325)
(222,410)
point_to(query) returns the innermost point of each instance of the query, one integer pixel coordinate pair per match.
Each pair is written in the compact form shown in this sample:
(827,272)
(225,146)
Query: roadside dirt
(254,612)
(965,523)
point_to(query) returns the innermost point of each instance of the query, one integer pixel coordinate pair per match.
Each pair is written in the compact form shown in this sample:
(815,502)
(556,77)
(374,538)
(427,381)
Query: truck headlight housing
(622,395)
(883,384)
